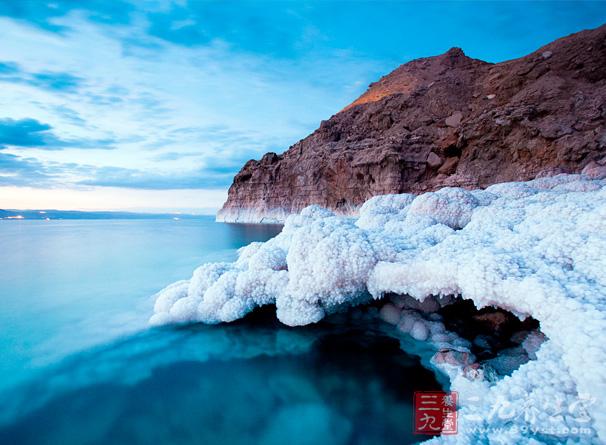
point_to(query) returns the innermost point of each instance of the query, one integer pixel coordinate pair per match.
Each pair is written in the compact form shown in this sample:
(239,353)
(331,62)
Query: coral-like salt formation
(534,248)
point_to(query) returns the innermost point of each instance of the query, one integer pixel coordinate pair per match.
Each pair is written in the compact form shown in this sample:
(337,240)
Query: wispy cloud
(181,113)
(174,156)
(27,171)
(63,82)
(201,178)
(18,171)
(25,133)
(8,69)
(44,14)
(30,133)
(185,92)
(49,80)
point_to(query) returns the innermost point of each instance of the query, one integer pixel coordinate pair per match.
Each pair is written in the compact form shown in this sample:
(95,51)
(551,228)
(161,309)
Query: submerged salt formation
(533,248)
(455,331)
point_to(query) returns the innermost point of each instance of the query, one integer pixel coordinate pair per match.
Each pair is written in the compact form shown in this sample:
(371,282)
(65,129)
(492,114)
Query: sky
(155,105)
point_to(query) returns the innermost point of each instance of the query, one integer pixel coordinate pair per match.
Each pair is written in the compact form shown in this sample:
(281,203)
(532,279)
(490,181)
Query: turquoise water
(80,366)
(67,285)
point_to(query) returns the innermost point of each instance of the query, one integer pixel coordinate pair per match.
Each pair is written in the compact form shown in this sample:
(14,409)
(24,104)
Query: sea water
(80,366)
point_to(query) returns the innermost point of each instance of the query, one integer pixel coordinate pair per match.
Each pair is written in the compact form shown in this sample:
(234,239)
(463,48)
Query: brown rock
(544,112)
(595,170)
(454,119)
(449,167)
(495,320)
(433,160)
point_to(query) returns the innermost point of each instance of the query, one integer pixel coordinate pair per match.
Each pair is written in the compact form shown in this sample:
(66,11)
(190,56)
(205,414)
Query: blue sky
(155,105)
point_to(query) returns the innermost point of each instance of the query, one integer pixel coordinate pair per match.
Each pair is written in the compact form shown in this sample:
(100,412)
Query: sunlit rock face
(532,248)
(442,121)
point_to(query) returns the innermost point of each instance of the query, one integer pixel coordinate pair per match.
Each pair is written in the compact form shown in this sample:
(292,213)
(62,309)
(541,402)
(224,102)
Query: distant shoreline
(41,215)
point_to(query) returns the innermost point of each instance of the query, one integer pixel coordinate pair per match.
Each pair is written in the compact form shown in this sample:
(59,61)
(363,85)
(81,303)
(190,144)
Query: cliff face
(442,121)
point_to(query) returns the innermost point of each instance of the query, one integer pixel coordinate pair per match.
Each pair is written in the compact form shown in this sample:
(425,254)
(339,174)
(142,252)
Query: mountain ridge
(447,120)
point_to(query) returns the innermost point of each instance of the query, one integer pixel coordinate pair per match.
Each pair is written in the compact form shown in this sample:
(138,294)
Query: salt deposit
(534,248)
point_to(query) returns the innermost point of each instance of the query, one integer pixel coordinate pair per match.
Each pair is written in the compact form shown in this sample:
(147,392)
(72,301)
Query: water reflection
(249,382)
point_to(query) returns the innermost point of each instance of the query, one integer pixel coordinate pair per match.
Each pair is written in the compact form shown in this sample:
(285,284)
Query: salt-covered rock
(594,170)
(406,323)
(532,343)
(453,358)
(534,248)
(474,372)
(452,207)
(390,314)
(419,331)
(440,338)
(508,360)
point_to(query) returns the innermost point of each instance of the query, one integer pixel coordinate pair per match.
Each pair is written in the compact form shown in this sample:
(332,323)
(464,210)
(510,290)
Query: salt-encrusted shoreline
(247,215)
(252,216)
(534,248)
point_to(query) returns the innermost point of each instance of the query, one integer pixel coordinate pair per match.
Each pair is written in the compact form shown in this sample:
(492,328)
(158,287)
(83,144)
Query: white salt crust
(534,248)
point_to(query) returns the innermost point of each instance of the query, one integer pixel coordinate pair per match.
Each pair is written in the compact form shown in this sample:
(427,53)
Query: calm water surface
(80,366)
(66,285)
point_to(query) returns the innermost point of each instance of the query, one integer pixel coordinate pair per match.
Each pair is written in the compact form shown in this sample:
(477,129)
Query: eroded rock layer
(442,121)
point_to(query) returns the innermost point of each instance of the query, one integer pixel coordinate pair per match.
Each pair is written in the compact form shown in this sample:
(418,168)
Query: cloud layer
(185,92)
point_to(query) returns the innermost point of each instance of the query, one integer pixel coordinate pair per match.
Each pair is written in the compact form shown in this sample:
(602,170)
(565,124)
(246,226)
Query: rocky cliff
(442,121)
